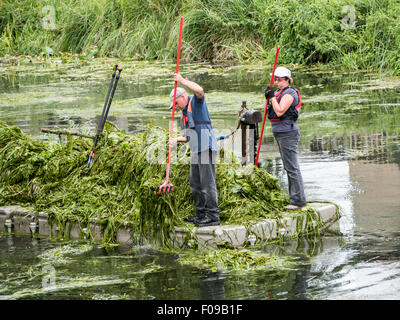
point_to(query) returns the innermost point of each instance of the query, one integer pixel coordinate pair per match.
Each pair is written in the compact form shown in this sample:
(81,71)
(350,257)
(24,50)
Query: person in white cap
(197,130)
(283,112)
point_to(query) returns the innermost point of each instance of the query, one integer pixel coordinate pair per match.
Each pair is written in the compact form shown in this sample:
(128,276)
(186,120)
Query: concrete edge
(20,220)
(262,231)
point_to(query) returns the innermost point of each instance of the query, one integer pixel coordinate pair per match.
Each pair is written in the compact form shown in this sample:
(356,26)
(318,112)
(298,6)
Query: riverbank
(351,35)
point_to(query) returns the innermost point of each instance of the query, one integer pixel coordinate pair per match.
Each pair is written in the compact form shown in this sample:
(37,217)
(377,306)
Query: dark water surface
(349,154)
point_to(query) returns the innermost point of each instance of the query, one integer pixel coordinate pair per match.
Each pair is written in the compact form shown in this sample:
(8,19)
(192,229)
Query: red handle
(266,105)
(177,71)
(174,101)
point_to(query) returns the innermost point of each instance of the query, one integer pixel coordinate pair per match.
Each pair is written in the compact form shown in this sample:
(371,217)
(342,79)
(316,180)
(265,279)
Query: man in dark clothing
(196,129)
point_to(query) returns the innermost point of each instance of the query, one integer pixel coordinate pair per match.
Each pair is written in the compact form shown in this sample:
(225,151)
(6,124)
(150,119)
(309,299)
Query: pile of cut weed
(121,186)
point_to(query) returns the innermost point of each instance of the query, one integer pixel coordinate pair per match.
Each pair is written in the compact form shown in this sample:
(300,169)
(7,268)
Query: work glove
(269,92)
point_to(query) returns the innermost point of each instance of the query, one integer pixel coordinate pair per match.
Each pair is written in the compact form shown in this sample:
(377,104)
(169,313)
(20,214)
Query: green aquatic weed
(120,189)
(234,260)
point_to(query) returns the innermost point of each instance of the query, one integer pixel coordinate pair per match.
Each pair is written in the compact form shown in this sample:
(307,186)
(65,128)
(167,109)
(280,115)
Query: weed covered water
(349,154)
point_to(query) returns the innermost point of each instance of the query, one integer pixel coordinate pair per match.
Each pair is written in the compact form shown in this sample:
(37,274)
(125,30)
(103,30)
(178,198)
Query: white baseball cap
(282,72)
(179,91)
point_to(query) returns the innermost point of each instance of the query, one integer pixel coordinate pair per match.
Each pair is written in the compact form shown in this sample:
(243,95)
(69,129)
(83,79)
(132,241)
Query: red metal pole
(166,185)
(266,105)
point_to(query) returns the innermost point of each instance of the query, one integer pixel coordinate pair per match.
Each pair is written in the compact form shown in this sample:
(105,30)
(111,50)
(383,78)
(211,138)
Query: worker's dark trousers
(287,143)
(203,184)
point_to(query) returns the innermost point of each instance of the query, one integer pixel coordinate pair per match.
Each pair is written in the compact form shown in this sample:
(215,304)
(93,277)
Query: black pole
(104,114)
(107,97)
(111,98)
(244,143)
(256,137)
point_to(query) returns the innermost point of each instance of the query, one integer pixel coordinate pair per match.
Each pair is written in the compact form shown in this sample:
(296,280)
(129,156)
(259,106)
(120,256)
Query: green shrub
(318,31)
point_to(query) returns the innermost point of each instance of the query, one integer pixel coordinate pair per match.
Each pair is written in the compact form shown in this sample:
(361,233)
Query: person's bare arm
(174,141)
(281,108)
(198,91)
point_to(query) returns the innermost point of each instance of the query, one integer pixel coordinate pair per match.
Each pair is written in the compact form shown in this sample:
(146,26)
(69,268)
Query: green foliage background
(317,31)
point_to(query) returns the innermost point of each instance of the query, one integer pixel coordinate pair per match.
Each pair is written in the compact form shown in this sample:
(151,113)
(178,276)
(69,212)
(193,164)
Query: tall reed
(351,34)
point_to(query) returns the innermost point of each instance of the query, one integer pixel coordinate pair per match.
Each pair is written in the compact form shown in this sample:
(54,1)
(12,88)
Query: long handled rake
(167,187)
(106,109)
(266,106)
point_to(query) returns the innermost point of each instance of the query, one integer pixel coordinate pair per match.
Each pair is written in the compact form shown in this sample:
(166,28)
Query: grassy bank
(350,34)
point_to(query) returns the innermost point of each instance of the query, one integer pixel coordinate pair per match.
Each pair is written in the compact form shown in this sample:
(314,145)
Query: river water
(349,154)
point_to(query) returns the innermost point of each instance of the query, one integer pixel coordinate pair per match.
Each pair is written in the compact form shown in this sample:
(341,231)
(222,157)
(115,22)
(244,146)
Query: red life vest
(292,113)
(187,120)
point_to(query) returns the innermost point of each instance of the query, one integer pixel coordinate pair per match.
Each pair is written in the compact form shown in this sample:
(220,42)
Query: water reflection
(212,286)
(374,147)
(330,267)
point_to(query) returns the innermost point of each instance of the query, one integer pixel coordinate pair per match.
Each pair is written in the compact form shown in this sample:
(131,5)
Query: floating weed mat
(120,188)
(235,260)
(64,254)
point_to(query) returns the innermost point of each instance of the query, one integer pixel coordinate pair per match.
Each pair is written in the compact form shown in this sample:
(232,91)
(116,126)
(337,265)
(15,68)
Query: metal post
(244,143)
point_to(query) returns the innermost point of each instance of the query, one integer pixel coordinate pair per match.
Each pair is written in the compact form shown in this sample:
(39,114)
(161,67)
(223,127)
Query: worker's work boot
(189,219)
(192,219)
(207,221)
